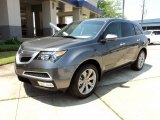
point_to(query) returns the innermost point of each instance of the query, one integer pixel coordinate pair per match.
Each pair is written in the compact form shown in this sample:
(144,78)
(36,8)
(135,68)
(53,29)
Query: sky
(133,9)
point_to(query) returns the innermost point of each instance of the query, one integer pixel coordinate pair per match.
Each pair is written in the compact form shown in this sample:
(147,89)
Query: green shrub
(9,47)
(12,41)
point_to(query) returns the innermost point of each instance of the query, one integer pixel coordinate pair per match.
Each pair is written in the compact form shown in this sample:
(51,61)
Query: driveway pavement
(122,94)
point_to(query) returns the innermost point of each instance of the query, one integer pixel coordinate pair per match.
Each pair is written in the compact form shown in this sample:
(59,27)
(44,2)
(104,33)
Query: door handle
(138,40)
(122,44)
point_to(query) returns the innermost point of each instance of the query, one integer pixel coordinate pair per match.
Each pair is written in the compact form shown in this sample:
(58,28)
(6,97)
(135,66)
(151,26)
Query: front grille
(25,56)
(25,59)
(36,74)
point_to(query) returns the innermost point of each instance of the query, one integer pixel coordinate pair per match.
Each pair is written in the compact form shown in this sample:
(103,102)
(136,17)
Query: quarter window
(138,31)
(127,29)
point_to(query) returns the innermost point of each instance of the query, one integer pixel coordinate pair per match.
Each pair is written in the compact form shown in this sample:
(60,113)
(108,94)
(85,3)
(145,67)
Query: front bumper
(42,74)
(54,77)
(35,83)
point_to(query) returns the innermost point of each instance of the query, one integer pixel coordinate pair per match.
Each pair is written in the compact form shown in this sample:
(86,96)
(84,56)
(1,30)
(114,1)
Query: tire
(81,86)
(148,42)
(139,63)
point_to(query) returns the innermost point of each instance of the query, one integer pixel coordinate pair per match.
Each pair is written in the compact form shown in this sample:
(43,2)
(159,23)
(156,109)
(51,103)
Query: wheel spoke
(89,74)
(82,88)
(81,82)
(86,89)
(91,78)
(91,84)
(84,74)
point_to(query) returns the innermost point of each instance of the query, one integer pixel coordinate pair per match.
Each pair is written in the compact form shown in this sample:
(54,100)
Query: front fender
(77,56)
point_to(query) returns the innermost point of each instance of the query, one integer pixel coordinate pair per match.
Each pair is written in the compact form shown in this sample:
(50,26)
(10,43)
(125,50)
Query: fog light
(45,84)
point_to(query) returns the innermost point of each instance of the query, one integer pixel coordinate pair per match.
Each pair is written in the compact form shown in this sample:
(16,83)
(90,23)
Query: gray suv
(75,58)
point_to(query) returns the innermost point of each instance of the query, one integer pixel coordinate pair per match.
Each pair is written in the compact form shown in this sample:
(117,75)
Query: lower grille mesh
(35,74)
(25,59)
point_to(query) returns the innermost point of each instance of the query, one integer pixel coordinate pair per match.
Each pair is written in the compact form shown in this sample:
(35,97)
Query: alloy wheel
(141,59)
(87,81)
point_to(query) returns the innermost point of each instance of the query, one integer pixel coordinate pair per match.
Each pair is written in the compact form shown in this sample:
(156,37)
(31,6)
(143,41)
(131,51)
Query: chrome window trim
(110,22)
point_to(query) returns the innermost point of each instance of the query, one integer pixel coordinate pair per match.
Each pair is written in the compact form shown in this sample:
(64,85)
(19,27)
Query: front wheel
(84,81)
(139,63)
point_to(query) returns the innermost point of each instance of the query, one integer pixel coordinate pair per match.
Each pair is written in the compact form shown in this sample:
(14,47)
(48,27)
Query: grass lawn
(7,57)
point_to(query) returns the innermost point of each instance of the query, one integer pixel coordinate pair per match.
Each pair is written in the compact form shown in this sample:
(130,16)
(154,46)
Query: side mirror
(111,37)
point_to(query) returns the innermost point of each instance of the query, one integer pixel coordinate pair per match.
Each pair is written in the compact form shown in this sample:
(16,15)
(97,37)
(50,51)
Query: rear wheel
(84,81)
(148,41)
(139,63)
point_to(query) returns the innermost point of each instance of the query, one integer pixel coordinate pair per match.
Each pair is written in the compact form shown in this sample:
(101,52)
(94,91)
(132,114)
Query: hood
(48,43)
(148,36)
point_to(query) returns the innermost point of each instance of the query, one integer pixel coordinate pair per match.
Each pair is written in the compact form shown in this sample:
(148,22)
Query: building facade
(29,18)
(150,24)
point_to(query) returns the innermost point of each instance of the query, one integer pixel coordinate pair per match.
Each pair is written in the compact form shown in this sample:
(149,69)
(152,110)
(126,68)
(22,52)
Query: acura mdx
(75,58)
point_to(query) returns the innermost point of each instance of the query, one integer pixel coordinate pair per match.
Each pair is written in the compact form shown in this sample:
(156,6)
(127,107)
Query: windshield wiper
(68,36)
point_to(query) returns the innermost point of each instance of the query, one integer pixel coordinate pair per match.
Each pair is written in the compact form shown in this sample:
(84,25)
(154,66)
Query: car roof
(110,19)
(104,19)
(115,19)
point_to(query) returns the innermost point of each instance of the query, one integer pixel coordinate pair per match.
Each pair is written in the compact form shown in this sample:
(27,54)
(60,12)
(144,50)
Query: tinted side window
(114,28)
(127,29)
(138,31)
(156,32)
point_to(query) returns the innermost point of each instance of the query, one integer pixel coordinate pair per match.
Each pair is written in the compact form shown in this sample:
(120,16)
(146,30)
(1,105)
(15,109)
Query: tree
(110,8)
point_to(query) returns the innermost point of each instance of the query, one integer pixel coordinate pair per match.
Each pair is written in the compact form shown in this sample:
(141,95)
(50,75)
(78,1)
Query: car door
(156,36)
(131,41)
(113,51)
(153,37)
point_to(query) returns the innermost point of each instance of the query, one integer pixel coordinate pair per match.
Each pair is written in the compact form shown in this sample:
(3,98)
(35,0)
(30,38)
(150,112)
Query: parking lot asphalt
(121,94)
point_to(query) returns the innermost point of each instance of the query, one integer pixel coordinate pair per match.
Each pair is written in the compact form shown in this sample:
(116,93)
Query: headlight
(52,56)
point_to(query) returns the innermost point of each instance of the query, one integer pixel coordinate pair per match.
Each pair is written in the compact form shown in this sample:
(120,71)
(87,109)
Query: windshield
(147,32)
(85,29)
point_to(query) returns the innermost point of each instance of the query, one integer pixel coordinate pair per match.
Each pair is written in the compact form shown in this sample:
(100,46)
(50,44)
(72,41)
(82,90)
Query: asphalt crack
(25,97)
(118,84)
(108,106)
(18,101)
